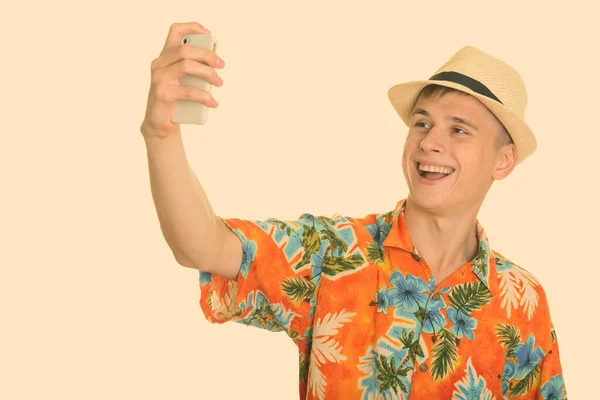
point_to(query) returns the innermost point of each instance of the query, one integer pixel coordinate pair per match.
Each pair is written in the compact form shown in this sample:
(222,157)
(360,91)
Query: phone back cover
(188,111)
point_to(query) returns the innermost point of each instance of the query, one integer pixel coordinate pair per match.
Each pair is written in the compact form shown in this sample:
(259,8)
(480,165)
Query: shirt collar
(398,237)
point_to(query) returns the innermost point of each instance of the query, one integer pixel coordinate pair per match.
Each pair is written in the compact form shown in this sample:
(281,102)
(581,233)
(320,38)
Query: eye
(420,124)
(458,129)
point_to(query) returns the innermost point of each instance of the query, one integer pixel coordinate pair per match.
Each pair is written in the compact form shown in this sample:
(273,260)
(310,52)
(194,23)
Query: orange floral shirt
(369,322)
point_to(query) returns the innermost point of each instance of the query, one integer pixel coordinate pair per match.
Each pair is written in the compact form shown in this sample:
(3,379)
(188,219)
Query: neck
(446,242)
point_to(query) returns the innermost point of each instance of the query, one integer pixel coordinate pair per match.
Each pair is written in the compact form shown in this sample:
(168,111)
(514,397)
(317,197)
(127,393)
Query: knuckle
(161,91)
(186,65)
(188,92)
(155,77)
(183,51)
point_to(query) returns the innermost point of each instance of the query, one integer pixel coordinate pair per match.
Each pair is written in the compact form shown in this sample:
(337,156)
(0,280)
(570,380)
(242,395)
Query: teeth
(432,168)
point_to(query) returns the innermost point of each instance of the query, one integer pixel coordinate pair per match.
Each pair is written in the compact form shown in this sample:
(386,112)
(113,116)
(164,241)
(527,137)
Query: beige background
(93,304)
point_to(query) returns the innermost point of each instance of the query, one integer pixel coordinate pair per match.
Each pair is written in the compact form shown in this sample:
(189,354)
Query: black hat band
(467,81)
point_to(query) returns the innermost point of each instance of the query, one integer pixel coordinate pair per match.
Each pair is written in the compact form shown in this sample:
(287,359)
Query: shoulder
(339,222)
(306,222)
(353,231)
(522,295)
(513,275)
(507,268)
(376,225)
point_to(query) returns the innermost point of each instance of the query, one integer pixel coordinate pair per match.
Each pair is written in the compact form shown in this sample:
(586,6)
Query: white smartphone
(188,111)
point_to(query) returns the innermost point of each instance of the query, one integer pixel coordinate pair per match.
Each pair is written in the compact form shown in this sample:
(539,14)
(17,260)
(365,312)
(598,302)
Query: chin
(428,200)
(429,196)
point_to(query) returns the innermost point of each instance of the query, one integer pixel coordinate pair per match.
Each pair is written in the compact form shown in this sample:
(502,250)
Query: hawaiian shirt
(369,321)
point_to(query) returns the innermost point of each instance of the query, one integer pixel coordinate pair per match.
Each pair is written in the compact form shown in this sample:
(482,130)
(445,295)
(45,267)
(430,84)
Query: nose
(432,140)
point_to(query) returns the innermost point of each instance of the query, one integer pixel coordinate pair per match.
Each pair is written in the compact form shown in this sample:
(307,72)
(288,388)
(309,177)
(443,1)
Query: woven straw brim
(404,95)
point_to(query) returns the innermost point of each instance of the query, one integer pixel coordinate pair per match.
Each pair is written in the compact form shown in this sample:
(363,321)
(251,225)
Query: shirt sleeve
(277,284)
(545,379)
(551,383)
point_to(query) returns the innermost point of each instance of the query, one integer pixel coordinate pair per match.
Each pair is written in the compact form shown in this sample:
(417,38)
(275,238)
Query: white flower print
(325,349)
(517,288)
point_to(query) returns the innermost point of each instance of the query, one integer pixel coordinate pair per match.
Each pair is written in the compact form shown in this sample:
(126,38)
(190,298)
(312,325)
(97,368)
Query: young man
(373,317)
(412,303)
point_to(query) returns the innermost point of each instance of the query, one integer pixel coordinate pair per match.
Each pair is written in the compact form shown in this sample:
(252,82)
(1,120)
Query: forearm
(187,220)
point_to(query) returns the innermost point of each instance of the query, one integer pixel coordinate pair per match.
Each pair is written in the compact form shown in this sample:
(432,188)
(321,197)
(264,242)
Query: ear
(506,158)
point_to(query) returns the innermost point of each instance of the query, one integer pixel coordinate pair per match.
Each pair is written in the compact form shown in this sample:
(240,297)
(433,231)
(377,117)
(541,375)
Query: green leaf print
(336,244)
(303,368)
(311,241)
(375,253)
(413,346)
(445,355)
(389,376)
(525,384)
(510,337)
(469,296)
(263,315)
(420,314)
(341,264)
(282,225)
(298,289)
(332,264)
(479,261)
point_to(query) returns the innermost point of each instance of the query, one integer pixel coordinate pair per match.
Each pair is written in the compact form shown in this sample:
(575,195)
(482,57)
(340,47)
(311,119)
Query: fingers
(189,59)
(178,30)
(190,51)
(168,93)
(175,60)
(178,59)
(173,72)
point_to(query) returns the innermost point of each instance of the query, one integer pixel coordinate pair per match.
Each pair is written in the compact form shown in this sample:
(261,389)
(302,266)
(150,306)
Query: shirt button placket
(423,367)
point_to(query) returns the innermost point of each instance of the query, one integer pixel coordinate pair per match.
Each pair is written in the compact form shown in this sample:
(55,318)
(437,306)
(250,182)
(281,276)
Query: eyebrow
(450,117)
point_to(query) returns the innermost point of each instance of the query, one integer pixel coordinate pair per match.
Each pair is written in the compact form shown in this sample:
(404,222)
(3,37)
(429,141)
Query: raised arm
(196,236)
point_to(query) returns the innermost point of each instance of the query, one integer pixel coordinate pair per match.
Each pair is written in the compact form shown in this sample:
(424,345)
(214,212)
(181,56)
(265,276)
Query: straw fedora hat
(492,81)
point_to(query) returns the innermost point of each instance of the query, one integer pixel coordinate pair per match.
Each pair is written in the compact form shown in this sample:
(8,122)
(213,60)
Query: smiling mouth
(432,176)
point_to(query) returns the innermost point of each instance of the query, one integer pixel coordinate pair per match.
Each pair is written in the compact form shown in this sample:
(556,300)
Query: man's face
(455,131)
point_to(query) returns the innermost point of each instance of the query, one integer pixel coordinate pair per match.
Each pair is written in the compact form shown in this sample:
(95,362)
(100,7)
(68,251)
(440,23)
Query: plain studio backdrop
(94,305)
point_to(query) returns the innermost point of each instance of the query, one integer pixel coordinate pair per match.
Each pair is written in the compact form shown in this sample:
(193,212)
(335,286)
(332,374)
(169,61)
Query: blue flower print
(408,292)
(382,300)
(372,229)
(527,356)
(317,262)
(383,230)
(313,302)
(205,278)
(553,389)
(437,304)
(462,324)
(433,320)
(509,372)
(249,253)
(432,285)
